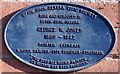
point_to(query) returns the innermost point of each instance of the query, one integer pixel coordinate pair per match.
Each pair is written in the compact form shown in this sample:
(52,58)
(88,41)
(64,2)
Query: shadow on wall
(12,61)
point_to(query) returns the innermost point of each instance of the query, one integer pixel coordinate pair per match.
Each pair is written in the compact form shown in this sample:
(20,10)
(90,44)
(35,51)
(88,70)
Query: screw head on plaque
(60,37)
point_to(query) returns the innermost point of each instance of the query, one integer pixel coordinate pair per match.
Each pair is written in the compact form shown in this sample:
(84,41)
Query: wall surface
(9,63)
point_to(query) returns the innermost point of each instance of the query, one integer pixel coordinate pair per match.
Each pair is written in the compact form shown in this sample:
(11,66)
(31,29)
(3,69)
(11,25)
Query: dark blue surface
(97,35)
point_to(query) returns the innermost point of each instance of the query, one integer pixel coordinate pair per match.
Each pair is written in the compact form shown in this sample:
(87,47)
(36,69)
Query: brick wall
(9,63)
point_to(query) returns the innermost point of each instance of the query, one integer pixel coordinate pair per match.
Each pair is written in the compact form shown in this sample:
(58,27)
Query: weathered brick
(118,35)
(0,66)
(14,65)
(110,10)
(104,66)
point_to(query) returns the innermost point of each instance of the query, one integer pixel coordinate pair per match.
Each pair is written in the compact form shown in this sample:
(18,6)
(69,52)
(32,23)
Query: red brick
(104,66)
(118,35)
(110,10)
(0,66)
(12,65)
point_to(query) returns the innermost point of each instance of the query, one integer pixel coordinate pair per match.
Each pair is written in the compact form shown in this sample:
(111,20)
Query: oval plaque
(59,36)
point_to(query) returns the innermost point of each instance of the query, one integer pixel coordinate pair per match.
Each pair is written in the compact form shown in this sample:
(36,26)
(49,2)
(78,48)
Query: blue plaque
(59,37)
